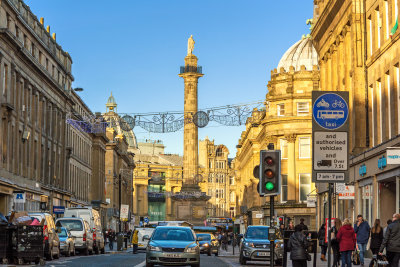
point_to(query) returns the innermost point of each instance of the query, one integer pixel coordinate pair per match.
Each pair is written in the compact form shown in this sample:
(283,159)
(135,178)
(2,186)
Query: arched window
(219,152)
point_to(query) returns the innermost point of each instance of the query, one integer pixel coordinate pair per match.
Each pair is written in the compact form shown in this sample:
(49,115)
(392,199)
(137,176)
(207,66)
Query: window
(387,18)
(210,192)
(210,177)
(305,186)
(281,109)
(366,199)
(371,90)
(232,180)
(379,99)
(219,152)
(284,148)
(5,79)
(370,36)
(396,68)
(378,27)
(284,194)
(304,147)
(210,165)
(389,100)
(302,108)
(232,197)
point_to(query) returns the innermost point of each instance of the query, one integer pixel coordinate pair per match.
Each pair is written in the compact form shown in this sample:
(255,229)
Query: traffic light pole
(271,219)
(328,227)
(119,202)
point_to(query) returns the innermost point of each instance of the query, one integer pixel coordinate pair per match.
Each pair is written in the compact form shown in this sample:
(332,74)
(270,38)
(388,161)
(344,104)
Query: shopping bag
(382,261)
(355,258)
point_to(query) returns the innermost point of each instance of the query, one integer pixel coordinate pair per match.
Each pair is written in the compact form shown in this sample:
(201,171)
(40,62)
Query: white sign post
(124,212)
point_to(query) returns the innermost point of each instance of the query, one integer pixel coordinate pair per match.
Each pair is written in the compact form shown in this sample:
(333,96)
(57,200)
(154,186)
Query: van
(142,231)
(51,239)
(80,229)
(93,218)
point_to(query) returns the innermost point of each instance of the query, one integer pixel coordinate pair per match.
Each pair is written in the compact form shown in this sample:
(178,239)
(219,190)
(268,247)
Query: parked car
(209,244)
(80,230)
(51,240)
(67,241)
(93,218)
(255,246)
(143,231)
(173,246)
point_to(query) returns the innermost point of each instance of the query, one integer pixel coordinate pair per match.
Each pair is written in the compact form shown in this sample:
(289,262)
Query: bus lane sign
(330,151)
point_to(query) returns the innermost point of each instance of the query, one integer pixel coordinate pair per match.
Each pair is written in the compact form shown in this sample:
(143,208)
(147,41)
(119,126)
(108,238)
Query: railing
(188,68)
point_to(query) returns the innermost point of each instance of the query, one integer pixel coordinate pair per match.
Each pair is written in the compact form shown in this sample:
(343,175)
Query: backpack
(355,259)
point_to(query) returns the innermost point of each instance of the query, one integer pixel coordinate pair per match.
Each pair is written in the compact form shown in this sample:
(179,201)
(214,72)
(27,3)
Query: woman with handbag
(297,246)
(376,239)
(335,243)
(321,241)
(347,242)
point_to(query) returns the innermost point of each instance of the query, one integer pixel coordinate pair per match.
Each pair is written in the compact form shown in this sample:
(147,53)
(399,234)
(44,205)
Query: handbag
(355,258)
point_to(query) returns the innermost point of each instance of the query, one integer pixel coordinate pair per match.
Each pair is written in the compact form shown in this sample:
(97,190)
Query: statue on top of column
(190,45)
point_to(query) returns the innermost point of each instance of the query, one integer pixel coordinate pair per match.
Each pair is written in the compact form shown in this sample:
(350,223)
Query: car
(51,240)
(92,216)
(143,231)
(173,246)
(209,244)
(255,246)
(80,229)
(67,242)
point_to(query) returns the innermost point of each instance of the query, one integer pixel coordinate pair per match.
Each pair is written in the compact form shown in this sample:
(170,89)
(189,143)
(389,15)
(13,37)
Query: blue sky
(135,48)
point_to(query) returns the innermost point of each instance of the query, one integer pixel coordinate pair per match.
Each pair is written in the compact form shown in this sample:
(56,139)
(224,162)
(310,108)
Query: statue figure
(190,45)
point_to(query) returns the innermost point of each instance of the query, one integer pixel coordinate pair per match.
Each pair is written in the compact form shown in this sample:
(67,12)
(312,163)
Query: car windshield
(63,233)
(173,234)
(257,233)
(205,237)
(71,225)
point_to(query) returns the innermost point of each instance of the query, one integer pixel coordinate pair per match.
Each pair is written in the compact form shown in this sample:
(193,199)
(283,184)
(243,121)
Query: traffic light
(270,173)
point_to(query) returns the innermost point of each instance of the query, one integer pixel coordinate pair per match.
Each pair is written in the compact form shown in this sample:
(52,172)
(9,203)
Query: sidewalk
(233,259)
(115,251)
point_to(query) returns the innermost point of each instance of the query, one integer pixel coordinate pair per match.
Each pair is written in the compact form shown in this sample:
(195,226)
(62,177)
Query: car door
(51,233)
(89,234)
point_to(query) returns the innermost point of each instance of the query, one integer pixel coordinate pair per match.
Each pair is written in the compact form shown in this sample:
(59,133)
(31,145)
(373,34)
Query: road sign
(330,136)
(330,111)
(345,191)
(19,197)
(124,212)
(58,209)
(146,219)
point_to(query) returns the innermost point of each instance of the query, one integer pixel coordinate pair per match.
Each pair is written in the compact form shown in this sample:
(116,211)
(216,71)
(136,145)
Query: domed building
(285,122)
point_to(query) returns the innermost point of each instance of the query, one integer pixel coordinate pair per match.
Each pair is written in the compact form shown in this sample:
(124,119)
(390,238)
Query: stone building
(119,166)
(358,54)
(35,90)
(218,179)
(285,122)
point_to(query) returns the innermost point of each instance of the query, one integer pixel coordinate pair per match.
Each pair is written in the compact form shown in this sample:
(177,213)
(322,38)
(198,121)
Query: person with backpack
(362,230)
(347,242)
(335,242)
(321,241)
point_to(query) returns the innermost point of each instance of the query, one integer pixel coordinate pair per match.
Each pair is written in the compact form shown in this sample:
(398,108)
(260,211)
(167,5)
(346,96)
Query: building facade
(362,34)
(285,123)
(35,75)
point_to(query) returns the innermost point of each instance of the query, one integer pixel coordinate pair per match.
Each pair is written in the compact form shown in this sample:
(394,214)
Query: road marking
(142,264)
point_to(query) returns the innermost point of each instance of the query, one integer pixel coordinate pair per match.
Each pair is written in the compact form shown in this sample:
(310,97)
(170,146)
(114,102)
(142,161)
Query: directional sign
(330,111)
(19,198)
(330,136)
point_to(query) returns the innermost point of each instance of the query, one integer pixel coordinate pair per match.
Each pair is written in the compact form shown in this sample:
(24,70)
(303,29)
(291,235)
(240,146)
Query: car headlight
(192,249)
(205,245)
(249,244)
(153,248)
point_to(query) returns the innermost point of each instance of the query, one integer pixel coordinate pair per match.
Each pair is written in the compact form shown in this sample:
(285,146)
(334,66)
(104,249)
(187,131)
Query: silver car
(173,246)
(79,229)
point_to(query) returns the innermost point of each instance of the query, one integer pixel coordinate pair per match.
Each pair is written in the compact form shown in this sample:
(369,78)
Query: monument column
(190,74)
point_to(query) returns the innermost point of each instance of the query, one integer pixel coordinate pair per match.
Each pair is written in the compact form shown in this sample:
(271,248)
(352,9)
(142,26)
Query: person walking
(297,246)
(224,240)
(303,225)
(376,237)
(321,241)
(391,242)
(135,241)
(290,226)
(347,242)
(111,237)
(362,229)
(335,242)
(387,223)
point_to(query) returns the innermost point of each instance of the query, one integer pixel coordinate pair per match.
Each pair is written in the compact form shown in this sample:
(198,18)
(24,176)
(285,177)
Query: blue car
(67,242)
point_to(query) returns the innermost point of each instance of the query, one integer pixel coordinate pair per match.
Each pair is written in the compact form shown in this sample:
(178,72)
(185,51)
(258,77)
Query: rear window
(71,225)
(205,237)
(63,233)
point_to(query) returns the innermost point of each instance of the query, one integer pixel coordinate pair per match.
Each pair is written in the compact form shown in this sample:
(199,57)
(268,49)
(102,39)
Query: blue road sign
(330,111)
(19,196)
(146,219)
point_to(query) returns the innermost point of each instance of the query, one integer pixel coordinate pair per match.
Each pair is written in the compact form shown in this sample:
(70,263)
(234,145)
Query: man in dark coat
(392,242)
(362,230)
(298,247)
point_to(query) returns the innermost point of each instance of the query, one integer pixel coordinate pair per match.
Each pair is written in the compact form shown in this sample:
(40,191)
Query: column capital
(291,138)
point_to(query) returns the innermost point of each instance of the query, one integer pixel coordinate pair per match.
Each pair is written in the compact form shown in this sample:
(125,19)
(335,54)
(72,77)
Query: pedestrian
(224,240)
(321,242)
(335,242)
(111,236)
(392,242)
(362,230)
(305,228)
(376,237)
(384,229)
(347,242)
(290,226)
(282,230)
(135,241)
(297,246)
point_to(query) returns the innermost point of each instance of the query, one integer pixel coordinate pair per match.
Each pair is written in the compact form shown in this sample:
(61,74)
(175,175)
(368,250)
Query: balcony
(192,69)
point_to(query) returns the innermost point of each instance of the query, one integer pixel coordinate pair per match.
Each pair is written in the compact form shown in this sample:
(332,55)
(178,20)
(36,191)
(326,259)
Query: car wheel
(91,252)
(68,254)
(102,251)
(49,256)
(242,260)
(57,256)
(86,252)
(195,265)
(97,250)
(209,252)
(216,253)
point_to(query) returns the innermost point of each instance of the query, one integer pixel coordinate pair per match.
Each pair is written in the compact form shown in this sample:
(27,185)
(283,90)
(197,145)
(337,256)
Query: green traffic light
(269,186)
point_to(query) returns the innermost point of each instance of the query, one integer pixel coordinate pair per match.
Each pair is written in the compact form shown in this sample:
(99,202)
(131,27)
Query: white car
(143,231)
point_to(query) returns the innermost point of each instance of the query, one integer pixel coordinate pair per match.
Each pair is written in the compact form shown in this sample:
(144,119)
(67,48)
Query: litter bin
(6,233)
(120,242)
(126,242)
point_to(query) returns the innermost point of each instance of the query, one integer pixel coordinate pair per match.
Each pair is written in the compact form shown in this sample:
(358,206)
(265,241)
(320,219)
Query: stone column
(292,178)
